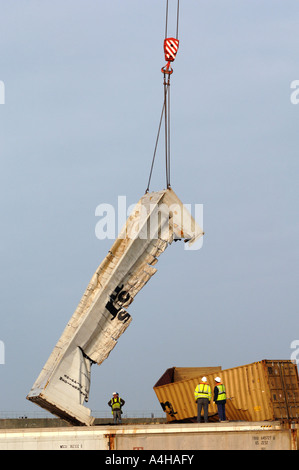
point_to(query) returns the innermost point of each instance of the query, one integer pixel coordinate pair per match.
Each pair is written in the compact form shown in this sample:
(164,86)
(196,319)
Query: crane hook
(171,46)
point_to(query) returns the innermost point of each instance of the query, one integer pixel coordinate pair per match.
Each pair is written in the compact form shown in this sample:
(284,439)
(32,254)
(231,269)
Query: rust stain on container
(110,441)
(261,391)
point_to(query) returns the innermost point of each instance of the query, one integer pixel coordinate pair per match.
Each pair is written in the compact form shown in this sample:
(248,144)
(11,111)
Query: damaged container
(261,391)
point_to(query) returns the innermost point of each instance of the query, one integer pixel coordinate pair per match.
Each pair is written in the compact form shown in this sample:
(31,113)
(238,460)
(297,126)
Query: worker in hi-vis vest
(116,403)
(220,398)
(203,395)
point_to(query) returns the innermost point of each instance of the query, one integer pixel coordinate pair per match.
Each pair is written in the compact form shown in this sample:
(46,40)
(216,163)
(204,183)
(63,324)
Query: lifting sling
(171,46)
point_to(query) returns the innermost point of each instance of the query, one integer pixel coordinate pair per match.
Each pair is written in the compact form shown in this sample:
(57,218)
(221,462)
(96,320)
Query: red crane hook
(171,46)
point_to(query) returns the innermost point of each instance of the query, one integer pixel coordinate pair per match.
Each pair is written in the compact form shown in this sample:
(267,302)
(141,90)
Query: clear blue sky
(83,96)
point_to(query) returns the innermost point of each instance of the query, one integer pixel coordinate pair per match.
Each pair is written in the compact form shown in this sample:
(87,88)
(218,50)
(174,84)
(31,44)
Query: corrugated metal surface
(264,390)
(284,389)
(213,436)
(177,385)
(176,374)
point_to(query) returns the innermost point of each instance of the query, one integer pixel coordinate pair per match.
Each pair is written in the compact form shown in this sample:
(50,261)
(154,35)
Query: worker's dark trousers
(221,410)
(202,403)
(117,416)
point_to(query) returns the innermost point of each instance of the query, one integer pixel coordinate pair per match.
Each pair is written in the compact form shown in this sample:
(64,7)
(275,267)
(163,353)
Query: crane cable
(170,50)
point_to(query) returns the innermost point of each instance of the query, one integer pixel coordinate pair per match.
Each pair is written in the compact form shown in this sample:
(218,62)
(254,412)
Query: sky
(83,97)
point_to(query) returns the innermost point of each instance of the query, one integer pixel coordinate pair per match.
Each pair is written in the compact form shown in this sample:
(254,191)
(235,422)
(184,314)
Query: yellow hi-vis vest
(202,391)
(115,404)
(221,392)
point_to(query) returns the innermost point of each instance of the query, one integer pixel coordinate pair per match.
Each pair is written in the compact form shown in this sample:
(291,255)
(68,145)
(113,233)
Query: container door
(284,389)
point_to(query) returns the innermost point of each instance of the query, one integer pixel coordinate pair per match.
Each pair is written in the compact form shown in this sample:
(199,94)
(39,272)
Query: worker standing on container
(203,395)
(116,403)
(220,398)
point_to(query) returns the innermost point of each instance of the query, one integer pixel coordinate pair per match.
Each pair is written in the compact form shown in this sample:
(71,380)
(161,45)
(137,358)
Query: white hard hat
(204,379)
(217,379)
(115,393)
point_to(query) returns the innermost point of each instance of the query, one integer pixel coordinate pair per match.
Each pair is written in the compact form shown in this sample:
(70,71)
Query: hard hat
(217,379)
(115,393)
(204,379)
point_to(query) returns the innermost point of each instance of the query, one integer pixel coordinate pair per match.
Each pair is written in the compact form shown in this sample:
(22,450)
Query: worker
(220,398)
(203,395)
(116,403)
